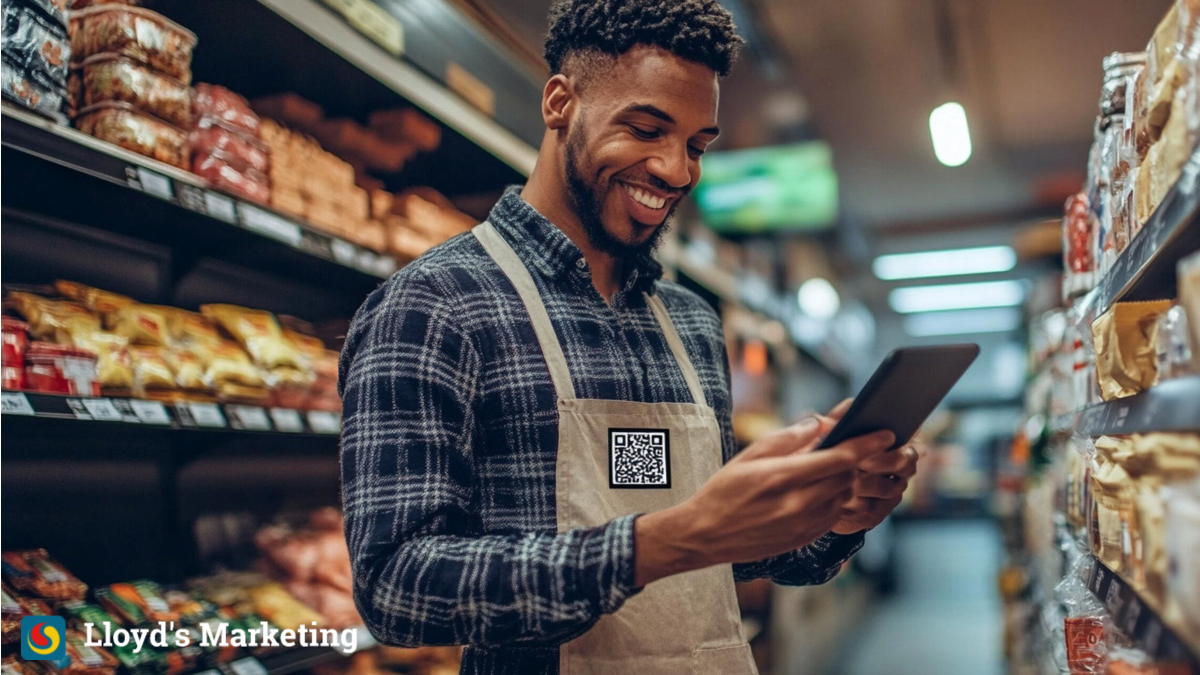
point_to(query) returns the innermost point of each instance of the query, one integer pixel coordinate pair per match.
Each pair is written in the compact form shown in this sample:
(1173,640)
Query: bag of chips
(259,333)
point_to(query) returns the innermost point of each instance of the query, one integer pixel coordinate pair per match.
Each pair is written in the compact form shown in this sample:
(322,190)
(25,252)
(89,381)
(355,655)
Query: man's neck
(546,193)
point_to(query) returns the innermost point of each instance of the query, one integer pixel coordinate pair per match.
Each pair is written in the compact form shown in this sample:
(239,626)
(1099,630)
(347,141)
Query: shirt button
(581,263)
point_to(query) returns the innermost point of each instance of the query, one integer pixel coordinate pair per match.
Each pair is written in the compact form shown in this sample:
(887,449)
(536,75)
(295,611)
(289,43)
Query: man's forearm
(664,545)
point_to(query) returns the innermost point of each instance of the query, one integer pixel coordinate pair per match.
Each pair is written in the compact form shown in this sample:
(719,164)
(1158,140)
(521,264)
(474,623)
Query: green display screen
(782,187)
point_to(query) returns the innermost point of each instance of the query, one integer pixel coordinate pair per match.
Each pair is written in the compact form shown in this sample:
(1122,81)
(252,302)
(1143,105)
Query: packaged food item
(55,9)
(1172,349)
(1079,233)
(15,342)
(407,124)
(189,328)
(87,659)
(213,136)
(30,93)
(224,172)
(1189,299)
(259,333)
(35,44)
(188,369)
(139,33)
(216,103)
(114,371)
(1124,339)
(96,300)
(1085,628)
(57,369)
(84,4)
(113,77)
(34,572)
(10,616)
(289,108)
(276,605)
(1182,540)
(142,324)
(128,127)
(152,374)
(1112,505)
(136,603)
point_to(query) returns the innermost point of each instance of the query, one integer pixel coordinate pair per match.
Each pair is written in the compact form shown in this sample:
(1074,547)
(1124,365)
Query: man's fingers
(902,462)
(785,441)
(876,486)
(839,410)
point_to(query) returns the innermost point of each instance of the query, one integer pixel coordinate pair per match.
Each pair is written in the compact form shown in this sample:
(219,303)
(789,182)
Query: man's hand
(879,484)
(775,496)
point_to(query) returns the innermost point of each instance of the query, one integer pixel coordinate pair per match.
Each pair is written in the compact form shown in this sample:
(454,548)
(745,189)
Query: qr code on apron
(639,458)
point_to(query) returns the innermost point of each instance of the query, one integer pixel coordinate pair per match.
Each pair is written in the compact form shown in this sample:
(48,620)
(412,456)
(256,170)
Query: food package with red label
(139,33)
(215,102)
(58,369)
(259,333)
(126,126)
(1079,237)
(15,342)
(34,572)
(211,136)
(224,172)
(113,77)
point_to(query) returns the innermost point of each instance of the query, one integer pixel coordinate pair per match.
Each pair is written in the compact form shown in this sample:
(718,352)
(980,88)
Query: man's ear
(558,99)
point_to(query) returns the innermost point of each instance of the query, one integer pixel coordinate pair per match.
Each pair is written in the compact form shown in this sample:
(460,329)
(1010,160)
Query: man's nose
(672,167)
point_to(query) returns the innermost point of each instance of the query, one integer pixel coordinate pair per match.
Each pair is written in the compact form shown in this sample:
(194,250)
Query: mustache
(660,184)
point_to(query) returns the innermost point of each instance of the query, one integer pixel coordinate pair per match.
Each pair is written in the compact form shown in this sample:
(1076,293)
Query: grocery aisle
(945,616)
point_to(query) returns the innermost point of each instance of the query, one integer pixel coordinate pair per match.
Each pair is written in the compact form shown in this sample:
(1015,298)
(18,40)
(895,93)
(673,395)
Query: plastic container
(32,94)
(77,5)
(135,32)
(113,77)
(35,43)
(226,173)
(58,369)
(128,127)
(15,343)
(217,102)
(212,136)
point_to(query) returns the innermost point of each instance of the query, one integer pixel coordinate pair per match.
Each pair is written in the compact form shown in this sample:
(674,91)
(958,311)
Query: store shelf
(182,416)
(1140,620)
(291,660)
(1145,270)
(1173,405)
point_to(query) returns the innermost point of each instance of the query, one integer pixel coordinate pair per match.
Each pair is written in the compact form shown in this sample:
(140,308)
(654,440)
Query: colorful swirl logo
(43,639)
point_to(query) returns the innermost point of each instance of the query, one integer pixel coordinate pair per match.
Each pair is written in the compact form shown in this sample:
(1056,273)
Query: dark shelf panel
(1173,405)
(1139,620)
(183,416)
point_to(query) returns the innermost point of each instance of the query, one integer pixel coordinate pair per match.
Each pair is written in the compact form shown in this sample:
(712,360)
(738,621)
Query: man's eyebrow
(655,111)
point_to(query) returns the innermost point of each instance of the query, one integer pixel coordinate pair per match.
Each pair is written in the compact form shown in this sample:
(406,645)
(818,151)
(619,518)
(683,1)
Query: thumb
(785,441)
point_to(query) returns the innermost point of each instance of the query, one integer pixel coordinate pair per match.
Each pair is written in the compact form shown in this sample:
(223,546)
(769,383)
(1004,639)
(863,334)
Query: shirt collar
(545,248)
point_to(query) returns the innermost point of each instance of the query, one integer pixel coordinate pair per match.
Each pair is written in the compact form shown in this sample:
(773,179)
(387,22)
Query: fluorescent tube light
(946,263)
(963,322)
(951,136)
(957,296)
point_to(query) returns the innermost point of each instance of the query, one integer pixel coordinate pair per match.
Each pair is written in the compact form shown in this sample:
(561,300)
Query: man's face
(633,150)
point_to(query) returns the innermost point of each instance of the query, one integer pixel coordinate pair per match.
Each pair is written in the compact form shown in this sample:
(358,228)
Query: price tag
(15,403)
(287,420)
(384,266)
(154,183)
(365,261)
(247,666)
(210,671)
(200,415)
(344,253)
(269,225)
(220,207)
(150,412)
(374,22)
(249,417)
(324,422)
(102,409)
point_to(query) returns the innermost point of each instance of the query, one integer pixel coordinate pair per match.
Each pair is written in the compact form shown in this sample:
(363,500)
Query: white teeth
(645,199)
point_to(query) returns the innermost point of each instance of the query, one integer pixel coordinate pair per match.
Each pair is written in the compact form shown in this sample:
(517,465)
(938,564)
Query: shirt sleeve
(814,564)
(423,574)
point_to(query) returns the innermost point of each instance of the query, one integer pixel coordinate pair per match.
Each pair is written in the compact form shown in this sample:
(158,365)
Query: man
(535,422)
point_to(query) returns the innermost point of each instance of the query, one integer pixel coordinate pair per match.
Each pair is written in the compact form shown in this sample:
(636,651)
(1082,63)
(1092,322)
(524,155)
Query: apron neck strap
(560,375)
(515,270)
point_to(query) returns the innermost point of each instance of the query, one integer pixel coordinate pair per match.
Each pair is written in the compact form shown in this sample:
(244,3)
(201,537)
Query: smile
(644,198)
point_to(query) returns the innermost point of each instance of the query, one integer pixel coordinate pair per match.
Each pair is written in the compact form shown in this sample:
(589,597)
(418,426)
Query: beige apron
(681,625)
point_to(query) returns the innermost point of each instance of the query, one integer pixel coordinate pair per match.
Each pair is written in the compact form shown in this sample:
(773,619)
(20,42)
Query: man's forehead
(648,76)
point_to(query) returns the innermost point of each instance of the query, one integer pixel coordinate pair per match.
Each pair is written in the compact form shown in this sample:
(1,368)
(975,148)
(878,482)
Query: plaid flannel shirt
(450,433)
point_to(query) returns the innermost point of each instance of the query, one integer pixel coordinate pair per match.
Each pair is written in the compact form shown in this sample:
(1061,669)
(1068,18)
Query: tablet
(903,392)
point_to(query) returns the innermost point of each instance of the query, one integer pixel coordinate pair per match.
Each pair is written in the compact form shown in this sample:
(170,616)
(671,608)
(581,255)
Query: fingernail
(808,424)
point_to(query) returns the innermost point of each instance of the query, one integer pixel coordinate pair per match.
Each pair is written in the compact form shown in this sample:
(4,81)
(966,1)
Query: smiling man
(535,422)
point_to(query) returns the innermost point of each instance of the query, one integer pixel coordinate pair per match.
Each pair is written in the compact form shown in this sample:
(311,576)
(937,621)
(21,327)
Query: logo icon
(42,638)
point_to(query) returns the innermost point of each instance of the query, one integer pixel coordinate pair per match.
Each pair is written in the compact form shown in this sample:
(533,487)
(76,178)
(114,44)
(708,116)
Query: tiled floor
(945,617)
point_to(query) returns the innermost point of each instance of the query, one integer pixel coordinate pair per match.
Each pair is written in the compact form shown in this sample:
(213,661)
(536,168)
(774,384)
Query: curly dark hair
(701,31)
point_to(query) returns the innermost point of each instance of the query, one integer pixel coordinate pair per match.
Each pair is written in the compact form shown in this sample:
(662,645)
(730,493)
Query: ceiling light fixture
(957,296)
(963,322)
(949,262)
(951,136)
(818,298)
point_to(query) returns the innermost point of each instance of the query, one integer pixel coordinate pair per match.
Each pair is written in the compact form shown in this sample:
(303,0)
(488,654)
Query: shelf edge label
(15,403)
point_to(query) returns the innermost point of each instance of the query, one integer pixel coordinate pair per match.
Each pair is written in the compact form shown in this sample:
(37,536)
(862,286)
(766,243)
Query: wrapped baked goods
(189,370)
(212,136)
(99,301)
(216,103)
(1125,337)
(34,572)
(114,371)
(152,374)
(259,333)
(113,77)
(146,36)
(126,126)
(227,173)
(142,324)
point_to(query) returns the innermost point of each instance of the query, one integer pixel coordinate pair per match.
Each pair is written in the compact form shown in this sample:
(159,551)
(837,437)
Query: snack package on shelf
(1112,507)
(15,344)
(59,369)
(10,616)
(1086,626)
(128,127)
(211,136)
(313,563)
(407,125)
(113,77)
(227,172)
(218,104)
(141,34)
(1124,339)
(259,333)
(36,54)
(1172,348)
(35,573)
(1182,539)
(142,324)
(1079,234)
(1189,300)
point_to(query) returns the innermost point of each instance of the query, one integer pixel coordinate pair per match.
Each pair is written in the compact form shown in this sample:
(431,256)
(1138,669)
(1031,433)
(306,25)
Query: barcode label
(154,183)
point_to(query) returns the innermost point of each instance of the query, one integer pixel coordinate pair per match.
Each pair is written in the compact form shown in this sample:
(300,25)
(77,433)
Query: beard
(587,198)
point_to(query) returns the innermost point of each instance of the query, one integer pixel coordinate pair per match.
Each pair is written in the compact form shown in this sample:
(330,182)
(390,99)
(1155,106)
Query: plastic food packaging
(57,369)
(1086,625)
(136,602)
(141,324)
(87,659)
(126,126)
(1182,536)
(139,33)
(55,9)
(28,92)
(1079,233)
(36,573)
(1124,339)
(113,77)
(1172,348)
(113,368)
(152,374)
(84,4)
(15,342)
(224,172)
(259,333)
(212,136)
(1189,299)
(95,299)
(218,103)
(35,44)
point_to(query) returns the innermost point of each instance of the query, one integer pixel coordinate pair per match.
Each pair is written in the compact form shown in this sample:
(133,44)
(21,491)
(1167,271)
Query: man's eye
(644,134)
